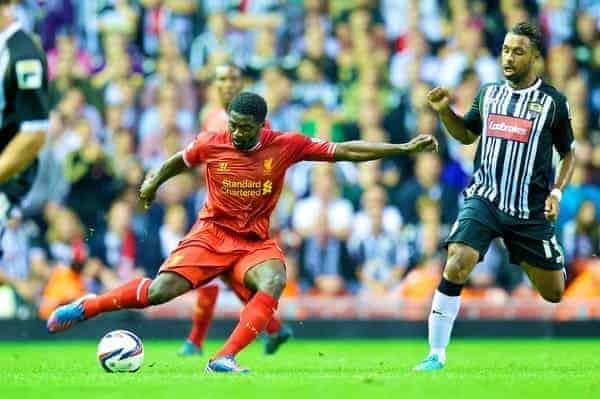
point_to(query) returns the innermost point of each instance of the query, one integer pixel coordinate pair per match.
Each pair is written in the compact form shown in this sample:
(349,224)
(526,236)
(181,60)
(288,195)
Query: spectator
(173,230)
(218,41)
(427,182)
(467,52)
(324,200)
(117,246)
(312,86)
(374,200)
(65,284)
(325,262)
(65,236)
(416,51)
(382,259)
(421,281)
(130,77)
(581,237)
(91,177)
(66,53)
(23,269)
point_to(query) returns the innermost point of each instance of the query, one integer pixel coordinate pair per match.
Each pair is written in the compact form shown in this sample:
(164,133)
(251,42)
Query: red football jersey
(216,121)
(244,186)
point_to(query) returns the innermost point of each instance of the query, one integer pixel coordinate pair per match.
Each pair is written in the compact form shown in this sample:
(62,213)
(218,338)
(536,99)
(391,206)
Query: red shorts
(208,251)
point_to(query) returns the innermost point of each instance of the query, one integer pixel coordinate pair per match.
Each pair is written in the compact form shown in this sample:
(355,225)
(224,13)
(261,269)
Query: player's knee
(553,295)
(460,262)
(272,283)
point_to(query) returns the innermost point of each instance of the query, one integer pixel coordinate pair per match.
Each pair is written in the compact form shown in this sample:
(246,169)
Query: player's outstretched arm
(563,177)
(172,167)
(359,151)
(20,153)
(439,101)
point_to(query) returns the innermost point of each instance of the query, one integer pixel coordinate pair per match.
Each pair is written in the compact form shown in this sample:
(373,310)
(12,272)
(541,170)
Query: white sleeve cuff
(34,126)
(332,149)
(185,160)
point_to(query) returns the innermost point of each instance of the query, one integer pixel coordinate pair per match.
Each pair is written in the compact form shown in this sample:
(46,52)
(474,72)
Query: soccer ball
(120,351)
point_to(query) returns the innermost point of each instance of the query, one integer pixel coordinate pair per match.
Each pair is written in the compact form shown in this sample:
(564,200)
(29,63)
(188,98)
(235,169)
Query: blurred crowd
(131,83)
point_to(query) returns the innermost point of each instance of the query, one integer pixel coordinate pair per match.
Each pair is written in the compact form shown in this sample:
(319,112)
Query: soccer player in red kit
(228,83)
(245,170)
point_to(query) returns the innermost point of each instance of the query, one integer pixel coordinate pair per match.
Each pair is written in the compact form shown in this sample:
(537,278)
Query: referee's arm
(21,152)
(30,85)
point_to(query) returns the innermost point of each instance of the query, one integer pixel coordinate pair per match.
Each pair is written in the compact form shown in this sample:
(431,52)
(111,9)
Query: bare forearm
(20,153)
(455,126)
(182,6)
(359,151)
(565,170)
(254,21)
(172,167)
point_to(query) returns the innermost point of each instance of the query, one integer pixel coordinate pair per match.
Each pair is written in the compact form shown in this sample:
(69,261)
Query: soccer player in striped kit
(511,195)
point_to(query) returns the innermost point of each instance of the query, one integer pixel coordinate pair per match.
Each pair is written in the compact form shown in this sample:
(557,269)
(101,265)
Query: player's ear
(536,53)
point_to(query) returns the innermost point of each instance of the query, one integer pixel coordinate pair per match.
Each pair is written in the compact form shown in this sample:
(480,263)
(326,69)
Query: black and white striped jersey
(23,84)
(518,130)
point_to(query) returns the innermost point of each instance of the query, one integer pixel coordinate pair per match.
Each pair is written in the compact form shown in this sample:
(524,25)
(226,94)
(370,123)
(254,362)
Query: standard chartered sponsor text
(246,187)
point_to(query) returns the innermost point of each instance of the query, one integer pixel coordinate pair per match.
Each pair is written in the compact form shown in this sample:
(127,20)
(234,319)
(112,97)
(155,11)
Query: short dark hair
(7,2)
(530,30)
(247,103)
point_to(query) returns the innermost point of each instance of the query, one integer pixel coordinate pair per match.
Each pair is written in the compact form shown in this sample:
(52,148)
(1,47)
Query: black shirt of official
(24,84)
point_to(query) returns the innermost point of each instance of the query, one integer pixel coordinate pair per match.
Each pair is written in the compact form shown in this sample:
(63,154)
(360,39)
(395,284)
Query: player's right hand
(438,99)
(148,189)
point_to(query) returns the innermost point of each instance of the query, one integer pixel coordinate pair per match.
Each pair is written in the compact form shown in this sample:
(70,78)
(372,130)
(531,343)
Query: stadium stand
(131,84)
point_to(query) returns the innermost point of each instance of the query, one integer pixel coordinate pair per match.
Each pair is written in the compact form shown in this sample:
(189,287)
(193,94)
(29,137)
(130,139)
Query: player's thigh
(197,264)
(467,244)
(535,247)
(549,283)
(535,244)
(476,226)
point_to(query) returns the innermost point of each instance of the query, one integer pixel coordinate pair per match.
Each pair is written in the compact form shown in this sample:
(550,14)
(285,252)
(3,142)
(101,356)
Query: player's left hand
(423,143)
(551,208)
(148,190)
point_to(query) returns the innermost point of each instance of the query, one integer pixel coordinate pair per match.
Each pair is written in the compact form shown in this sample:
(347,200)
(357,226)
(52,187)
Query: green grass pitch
(342,369)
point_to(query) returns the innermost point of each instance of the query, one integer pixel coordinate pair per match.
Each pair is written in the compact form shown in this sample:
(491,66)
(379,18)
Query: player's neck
(524,83)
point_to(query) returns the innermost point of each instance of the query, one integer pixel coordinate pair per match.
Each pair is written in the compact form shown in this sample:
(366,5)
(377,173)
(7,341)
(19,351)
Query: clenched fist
(438,98)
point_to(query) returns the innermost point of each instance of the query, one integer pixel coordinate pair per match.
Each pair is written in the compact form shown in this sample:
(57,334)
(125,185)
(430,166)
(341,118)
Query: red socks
(203,313)
(274,326)
(254,318)
(131,295)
